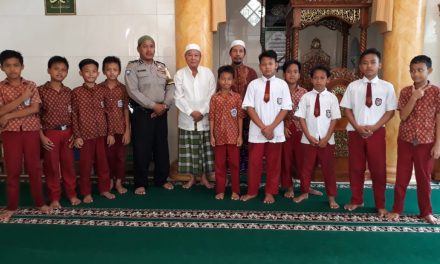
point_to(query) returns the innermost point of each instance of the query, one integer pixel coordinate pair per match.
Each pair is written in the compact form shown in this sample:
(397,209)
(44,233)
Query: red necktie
(267,92)
(369,97)
(317,111)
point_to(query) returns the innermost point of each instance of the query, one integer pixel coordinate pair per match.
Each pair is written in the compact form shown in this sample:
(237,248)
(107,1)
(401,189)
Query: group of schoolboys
(92,118)
(289,127)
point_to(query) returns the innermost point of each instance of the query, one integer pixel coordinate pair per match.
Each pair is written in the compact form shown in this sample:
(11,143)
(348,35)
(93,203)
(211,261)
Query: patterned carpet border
(218,215)
(214,225)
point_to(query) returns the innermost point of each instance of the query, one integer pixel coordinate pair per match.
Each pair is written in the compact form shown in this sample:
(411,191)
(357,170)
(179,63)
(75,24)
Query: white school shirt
(193,94)
(280,99)
(329,110)
(383,95)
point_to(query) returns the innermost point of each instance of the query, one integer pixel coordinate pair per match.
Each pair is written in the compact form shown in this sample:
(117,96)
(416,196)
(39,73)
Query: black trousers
(150,142)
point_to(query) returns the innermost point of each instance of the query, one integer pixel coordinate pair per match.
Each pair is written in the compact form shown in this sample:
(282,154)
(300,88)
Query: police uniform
(148,84)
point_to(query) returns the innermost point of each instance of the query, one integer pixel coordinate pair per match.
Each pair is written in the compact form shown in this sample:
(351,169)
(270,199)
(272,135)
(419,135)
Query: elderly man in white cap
(195,85)
(243,76)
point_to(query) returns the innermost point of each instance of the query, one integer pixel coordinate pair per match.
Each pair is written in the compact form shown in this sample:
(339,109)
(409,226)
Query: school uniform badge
(120,103)
(279,100)
(328,113)
(234,112)
(378,101)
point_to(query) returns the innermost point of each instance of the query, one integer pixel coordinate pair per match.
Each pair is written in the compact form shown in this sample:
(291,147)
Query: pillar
(400,45)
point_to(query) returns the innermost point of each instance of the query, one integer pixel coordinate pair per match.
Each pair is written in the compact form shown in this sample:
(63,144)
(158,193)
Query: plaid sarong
(195,153)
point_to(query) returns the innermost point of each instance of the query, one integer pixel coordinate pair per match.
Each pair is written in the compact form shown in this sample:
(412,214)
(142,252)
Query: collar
(48,86)
(321,93)
(266,79)
(22,81)
(374,80)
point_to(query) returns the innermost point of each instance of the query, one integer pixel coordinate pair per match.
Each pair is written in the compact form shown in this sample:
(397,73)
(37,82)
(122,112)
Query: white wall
(100,28)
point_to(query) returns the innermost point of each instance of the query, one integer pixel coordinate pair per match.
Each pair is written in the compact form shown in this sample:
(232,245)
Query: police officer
(151,91)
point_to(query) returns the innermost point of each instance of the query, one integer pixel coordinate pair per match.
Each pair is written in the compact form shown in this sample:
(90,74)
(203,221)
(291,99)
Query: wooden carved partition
(338,15)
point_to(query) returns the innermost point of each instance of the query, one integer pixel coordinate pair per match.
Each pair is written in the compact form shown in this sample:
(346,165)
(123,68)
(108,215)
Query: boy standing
(20,126)
(56,133)
(419,138)
(118,114)
(291,154)
(90,129)
(369,104)
(318,112)
(226,126)
(267,101)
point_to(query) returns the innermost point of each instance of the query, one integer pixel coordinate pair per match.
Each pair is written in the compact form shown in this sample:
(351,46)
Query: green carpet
(190,226)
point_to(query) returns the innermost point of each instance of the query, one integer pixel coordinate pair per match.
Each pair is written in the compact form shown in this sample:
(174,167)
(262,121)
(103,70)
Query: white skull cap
(192,46)
(237,42)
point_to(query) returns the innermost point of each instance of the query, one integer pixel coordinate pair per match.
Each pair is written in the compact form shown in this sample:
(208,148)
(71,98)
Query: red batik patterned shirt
(225,111)
(243,76)
(420,125)
(56,106)
(9,93)
(290,117)
(117,104)
(89,117)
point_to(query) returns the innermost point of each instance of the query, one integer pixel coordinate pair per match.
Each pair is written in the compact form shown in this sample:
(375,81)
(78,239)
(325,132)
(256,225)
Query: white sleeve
(336,112)
(211,87)
(346,101)
(287,99)
(249,100)
(391,98)
(302,107)
(179,95)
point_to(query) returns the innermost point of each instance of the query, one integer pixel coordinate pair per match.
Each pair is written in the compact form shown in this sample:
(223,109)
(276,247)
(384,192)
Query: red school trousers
(372,150)
(19,145)
(272,153)
(116,158)
(291,157)
(227,154)
(92,151)
(326,158)
(59,162)
(419,156)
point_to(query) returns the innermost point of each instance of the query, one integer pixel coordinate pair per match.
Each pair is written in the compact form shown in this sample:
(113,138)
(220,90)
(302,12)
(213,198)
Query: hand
(212,141)
(419,93)
(323,143)
(313,141)
(239,141)
(364,131)
(126,138)
(110,140)
(435,151)
(268,132)
(372,129)
(47,143)
(197,116)
(28,92)
(4,120)
(79,142)
(159,109)
(287,132)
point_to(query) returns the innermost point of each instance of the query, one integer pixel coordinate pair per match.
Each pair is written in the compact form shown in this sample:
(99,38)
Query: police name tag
(27,102)
(120,103)
(234,112)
